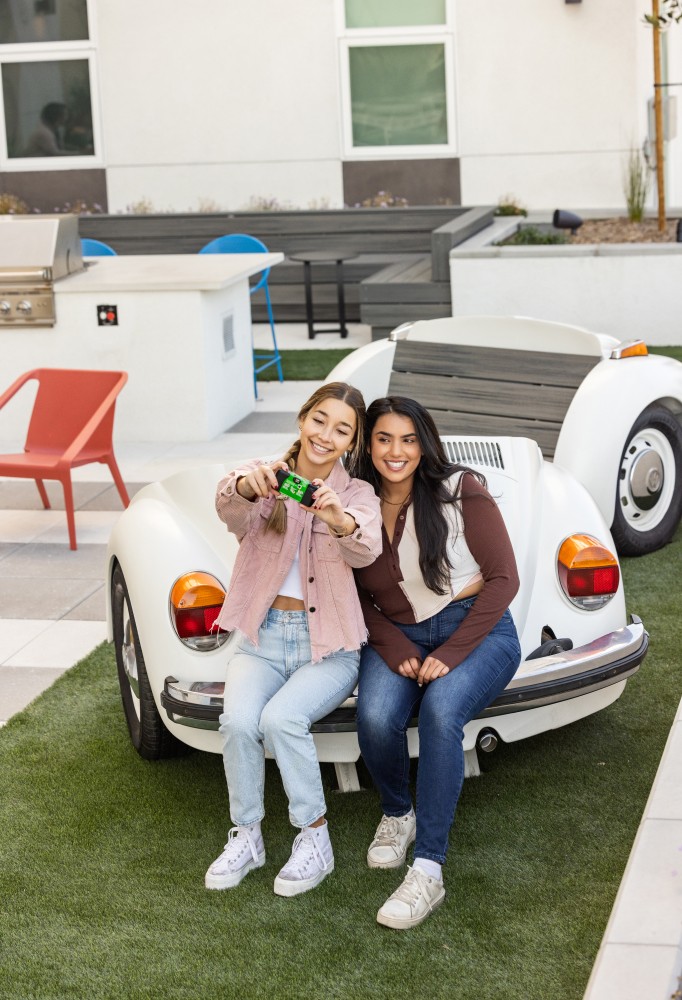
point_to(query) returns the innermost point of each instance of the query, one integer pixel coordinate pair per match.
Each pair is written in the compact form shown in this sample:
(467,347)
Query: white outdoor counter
(183,335)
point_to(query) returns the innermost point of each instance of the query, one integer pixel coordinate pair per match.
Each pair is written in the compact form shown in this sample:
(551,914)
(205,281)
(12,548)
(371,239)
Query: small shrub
(79,207)
(207,206)
(11,204)
(319,204)
(532,236)
(384,199)
(636,185)
(143,206)
(259,203)
(508,205)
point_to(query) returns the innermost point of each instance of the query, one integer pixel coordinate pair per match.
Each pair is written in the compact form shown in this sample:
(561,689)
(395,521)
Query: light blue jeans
(273,693)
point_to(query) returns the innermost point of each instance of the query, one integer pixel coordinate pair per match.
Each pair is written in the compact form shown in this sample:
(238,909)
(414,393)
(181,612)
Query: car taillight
(195,603)
(588,572)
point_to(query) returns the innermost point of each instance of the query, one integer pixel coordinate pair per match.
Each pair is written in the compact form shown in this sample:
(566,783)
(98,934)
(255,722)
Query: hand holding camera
(314,495)
(261,482)
(290,484)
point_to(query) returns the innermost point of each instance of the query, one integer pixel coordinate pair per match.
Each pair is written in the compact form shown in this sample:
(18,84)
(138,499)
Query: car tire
(148,734)
(649,488)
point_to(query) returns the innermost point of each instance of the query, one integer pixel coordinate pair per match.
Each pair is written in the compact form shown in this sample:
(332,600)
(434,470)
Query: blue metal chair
(95,248)
(240,243)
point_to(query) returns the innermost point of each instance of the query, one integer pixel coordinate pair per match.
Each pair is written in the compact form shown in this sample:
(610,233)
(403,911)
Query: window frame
(430,34)
(84,49)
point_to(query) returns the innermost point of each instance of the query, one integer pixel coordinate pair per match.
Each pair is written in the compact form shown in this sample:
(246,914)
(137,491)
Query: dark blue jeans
(387,702)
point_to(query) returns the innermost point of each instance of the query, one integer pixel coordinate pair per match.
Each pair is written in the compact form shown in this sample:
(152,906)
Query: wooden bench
(401,293)
(418,286)
(490,391)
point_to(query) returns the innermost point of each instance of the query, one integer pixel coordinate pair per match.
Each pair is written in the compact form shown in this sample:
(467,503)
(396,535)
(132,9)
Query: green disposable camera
(292,485)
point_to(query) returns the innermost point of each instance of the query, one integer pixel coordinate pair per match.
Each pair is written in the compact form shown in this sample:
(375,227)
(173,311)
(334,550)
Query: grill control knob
(24,307)
(5,307)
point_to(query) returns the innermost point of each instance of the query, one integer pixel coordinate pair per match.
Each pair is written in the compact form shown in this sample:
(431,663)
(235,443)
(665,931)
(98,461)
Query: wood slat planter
(362,230)
(381,238)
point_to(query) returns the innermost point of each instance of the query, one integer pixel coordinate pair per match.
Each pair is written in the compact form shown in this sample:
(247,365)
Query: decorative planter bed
(629,290)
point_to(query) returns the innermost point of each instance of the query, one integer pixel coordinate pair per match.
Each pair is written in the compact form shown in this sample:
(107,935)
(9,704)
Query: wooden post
(658,117)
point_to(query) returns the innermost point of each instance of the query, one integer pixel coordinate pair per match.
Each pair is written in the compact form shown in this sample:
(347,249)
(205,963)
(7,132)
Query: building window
(397,78)
(393,13)
(47,74)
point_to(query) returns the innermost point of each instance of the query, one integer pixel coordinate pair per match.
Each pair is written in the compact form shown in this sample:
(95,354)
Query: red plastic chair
(71,424)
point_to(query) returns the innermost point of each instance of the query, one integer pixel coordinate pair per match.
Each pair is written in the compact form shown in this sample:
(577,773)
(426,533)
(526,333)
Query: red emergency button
(107,315)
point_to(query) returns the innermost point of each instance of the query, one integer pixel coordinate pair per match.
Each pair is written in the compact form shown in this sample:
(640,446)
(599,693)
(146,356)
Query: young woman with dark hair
(292,599)
(442,642)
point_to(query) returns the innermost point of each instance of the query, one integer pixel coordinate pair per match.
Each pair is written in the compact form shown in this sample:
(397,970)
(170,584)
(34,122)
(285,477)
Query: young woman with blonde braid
(293,601)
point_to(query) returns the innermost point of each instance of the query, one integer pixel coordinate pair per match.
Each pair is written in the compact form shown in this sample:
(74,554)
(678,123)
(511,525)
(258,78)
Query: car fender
(154,539)
(564,507)
(368,369)
(608,402)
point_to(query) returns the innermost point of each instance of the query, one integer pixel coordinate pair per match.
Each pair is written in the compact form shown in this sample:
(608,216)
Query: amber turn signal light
(630,349)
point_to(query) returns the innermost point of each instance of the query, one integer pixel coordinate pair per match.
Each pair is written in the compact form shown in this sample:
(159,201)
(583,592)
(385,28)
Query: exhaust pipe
(487,740)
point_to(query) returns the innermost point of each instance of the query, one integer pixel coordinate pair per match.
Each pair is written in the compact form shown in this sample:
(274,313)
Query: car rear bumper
(545,681)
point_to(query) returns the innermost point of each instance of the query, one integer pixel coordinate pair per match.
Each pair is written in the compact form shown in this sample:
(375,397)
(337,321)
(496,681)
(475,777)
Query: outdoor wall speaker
(566,220)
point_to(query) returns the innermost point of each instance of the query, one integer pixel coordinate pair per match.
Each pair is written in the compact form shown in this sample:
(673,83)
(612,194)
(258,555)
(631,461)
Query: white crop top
(291,585)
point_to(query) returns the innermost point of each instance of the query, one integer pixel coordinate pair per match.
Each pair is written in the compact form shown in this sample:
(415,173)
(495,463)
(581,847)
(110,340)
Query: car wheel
(149,736)
(649,491)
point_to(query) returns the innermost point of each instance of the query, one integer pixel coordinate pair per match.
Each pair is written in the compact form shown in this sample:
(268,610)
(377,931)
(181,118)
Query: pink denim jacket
(334,615)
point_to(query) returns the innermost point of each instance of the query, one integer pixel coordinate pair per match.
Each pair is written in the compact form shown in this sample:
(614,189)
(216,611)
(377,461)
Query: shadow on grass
(102,857)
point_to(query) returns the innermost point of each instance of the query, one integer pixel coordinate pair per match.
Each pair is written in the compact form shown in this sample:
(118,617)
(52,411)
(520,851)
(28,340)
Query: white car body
(171,528)
(601,417)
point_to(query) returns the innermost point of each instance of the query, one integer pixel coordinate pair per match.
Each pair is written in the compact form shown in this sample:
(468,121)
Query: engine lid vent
(474,452)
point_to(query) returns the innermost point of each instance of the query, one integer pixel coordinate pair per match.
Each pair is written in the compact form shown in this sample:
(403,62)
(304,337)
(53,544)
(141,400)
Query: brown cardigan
(384,601)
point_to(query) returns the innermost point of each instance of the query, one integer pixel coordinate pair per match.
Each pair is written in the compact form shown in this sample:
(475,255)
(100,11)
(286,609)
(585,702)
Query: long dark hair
(430,490)
(332,390)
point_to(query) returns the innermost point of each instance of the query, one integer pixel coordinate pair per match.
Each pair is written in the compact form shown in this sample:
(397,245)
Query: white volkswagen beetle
(170,558)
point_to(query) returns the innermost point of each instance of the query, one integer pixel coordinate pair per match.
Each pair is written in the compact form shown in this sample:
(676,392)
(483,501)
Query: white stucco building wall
(219,101)
(216,102)
(552,96)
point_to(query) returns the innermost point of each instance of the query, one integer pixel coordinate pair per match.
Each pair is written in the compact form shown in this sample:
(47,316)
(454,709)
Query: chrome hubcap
(647,479)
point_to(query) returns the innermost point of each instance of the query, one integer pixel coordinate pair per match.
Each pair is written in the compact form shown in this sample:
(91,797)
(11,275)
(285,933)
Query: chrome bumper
(570,674)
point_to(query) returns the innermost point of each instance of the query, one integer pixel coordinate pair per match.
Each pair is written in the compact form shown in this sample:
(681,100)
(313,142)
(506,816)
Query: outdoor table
(324,257)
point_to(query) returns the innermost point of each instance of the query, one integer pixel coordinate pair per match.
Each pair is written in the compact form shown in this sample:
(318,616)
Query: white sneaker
(413,901)
(312,859)
(241,855)
(389,847)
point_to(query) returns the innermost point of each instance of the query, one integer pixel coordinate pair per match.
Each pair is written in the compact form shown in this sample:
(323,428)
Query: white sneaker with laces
(412,902)
(241,855)
(312,859)
(389,847)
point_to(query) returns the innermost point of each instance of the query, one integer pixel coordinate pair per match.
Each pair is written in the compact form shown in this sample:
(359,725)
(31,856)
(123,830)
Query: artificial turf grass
(669,352)
(305,365)
(102,856)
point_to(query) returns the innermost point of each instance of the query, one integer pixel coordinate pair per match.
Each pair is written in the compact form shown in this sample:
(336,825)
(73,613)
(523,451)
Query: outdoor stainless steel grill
(35,251)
